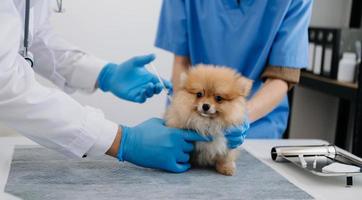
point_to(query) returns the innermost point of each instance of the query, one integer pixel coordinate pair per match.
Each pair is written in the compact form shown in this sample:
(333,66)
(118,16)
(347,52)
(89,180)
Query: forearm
(50,117)
(267,98)
(113,150)
(63,63)
(69,67)
(180,65)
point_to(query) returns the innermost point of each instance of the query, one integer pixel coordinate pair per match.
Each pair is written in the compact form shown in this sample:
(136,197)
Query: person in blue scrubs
(264,40)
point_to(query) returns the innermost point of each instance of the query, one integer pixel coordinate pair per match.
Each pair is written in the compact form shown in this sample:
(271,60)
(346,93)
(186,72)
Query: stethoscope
(60,7)
(27,55)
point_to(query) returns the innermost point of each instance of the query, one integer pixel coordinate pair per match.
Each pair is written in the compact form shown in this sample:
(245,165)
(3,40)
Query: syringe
(154,69)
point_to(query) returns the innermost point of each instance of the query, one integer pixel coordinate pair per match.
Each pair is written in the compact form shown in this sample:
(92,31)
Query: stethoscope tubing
(26,53)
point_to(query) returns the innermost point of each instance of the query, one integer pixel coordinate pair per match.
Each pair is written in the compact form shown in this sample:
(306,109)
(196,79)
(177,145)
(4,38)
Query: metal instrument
(316,157)
(27,55)
(154,69)
(59,8)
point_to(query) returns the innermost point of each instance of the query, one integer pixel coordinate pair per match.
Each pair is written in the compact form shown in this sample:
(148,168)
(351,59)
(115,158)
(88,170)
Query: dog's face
(215,94)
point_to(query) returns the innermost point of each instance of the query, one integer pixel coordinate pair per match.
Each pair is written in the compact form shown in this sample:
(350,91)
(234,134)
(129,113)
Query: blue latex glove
(131,80)
(235,136)
(153,145)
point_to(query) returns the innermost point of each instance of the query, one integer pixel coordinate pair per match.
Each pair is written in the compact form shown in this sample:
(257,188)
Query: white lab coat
(49,116)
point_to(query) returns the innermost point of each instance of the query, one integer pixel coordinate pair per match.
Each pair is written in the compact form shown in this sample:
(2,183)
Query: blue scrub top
(246,37)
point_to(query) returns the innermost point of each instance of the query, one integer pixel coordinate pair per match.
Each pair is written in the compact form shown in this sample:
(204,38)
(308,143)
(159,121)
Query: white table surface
(318,187)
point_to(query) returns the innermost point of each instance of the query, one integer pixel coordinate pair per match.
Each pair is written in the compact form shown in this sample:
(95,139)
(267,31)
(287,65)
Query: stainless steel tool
(316,157)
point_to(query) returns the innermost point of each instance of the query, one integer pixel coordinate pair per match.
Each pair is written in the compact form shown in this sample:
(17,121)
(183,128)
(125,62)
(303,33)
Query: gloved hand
(131,80)
(152,144)
(235,136)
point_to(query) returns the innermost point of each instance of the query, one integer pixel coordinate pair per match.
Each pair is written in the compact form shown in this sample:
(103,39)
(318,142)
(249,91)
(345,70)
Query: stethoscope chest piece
(29,58)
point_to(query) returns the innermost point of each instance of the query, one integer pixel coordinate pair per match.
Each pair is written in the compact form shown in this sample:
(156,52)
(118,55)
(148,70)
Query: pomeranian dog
(209,100)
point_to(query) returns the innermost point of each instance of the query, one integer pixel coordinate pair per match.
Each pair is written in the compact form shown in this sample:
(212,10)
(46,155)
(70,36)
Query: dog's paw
(227,169)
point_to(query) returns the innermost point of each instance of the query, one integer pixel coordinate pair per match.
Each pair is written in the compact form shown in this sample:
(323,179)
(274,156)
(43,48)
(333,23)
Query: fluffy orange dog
(209,100)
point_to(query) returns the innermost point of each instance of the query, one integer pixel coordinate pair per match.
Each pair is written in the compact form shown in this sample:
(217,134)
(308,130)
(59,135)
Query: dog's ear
(244,85)
(183,79)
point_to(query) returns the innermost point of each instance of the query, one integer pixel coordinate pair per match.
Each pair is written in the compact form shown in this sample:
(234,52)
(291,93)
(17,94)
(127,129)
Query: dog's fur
(225,92)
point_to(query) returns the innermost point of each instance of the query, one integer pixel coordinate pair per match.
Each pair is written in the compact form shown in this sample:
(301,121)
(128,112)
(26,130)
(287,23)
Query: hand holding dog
(235,136)
(151,144)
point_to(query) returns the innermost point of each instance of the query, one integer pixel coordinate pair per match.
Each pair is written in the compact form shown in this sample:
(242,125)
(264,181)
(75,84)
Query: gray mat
(39,173)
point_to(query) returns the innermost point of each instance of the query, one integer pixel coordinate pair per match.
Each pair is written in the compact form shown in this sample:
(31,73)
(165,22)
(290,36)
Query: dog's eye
(218,99)
(199,95)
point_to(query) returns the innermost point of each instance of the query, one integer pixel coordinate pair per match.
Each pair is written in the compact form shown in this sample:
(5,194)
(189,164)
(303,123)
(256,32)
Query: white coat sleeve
(66,65)
(47,116)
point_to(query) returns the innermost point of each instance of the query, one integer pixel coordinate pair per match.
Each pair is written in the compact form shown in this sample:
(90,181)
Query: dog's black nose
(205,107)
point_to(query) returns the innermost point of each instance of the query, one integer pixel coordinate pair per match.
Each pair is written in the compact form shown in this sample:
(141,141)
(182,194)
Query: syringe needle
(161,81)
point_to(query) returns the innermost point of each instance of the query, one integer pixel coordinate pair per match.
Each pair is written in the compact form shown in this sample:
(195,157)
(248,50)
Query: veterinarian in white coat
(53,119)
